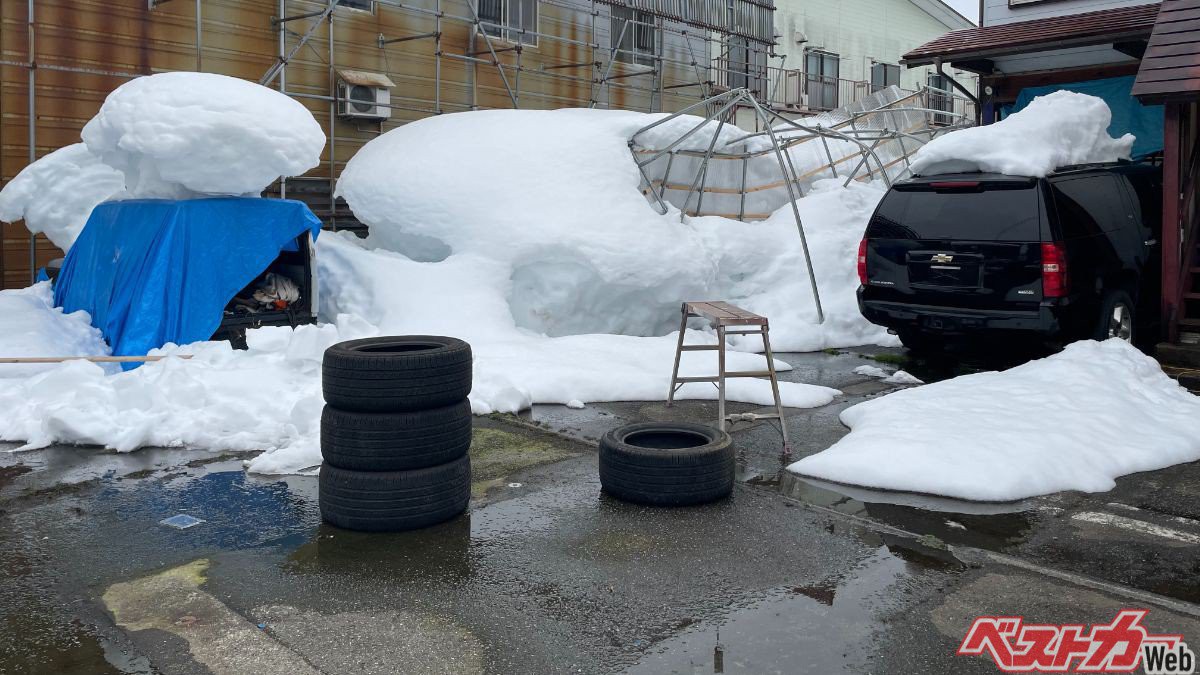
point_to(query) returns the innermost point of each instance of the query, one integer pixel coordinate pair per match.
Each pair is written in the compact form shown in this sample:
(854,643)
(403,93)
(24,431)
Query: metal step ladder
(724,316)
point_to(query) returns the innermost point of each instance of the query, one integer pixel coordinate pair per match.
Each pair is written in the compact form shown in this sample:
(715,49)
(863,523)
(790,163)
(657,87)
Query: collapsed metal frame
(723,107)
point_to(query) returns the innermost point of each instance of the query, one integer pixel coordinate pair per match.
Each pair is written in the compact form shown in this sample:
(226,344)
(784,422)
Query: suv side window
(1089,205)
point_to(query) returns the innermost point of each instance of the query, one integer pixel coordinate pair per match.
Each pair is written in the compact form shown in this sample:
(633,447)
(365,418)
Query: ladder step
(744,332)
(685,380)
(699,348)
(749,373)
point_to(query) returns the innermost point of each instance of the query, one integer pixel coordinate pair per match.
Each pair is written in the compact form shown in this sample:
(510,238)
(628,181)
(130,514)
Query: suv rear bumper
(1043,321)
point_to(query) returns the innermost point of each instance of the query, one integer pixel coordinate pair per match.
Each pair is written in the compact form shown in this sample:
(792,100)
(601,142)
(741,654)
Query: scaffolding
(874,138)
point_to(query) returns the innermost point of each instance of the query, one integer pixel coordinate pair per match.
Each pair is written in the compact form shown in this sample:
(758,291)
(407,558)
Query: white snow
(1058,129)
(550,204)
(30,325)
(222,399)
(872,371)
(902,377)
(178,135)
(57,193)
(1073,421)
(544,256)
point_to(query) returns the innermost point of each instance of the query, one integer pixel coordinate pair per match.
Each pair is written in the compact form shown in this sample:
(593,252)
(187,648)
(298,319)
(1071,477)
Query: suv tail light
(1055,281)
(862,261)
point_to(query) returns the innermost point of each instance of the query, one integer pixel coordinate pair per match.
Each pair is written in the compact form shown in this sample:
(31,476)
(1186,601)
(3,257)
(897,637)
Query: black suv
(1070,256)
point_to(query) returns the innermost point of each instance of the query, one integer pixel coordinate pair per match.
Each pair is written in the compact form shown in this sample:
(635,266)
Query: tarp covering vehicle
(150,272)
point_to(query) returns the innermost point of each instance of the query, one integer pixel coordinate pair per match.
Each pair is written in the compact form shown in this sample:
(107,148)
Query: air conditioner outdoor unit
(363,95)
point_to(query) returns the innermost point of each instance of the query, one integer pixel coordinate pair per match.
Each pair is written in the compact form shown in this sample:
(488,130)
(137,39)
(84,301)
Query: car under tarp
(152,272)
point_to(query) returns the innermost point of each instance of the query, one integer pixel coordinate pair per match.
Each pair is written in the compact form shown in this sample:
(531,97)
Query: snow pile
(551,208)
(57,193)
(1072,421)
(898,377)
(1054,130)
(179,135)
(221,398)
(33,326)
(545,257)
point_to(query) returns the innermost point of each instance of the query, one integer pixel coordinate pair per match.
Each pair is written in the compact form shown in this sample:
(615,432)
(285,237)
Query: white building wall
(996,12)
(860,32)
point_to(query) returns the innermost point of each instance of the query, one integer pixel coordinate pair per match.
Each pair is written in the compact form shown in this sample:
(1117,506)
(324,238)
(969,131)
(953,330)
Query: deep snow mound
(57,193)
(552,198)
(1073,421)
(33,326)
(1058,129)
(179,135)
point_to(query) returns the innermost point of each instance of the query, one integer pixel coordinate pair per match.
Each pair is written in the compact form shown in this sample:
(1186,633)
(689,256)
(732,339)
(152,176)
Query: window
(821,79)
(507,18)
(884,75)
(635,30)
(361,5)
(1088,206)
(997,213)
(941,97)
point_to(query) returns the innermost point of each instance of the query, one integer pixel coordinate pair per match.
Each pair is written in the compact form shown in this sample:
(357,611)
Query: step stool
(723,316)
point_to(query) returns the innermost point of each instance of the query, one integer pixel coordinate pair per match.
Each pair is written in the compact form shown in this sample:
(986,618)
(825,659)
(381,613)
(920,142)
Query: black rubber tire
(665,476)
(392,501)
(1107,306)
(923,343)
(396,374)
(368,441)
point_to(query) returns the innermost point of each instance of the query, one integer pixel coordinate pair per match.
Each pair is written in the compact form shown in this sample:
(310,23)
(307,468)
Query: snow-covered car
(1072,255)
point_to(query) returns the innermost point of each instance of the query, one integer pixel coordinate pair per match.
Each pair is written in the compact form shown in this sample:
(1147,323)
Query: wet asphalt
(546,574)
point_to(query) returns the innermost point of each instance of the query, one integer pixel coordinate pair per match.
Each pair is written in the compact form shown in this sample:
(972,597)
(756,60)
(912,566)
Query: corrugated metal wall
(86,48)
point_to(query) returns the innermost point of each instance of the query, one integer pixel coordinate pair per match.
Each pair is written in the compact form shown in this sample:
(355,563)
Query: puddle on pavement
(441,552)
(819,628)
(990,525)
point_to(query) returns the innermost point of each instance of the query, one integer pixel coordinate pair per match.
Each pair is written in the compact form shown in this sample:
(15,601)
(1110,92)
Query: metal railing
(789,88)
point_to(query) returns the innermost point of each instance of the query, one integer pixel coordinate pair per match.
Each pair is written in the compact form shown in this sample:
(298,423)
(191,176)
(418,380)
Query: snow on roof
(181,134)
(56,194)
(1059,129)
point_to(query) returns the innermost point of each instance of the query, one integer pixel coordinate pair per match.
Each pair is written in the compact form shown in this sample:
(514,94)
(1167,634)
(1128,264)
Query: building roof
(1170,69)
(943,13)
(1073,30)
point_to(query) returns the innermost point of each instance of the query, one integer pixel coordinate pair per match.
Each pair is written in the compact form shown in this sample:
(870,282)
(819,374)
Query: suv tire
(666,463)
(1117,317)
(396,374)
(369,441)
(391,501)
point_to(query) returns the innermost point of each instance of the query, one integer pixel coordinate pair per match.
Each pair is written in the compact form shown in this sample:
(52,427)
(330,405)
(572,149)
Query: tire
(1108,325)
(922,343)
(655,470)
(367,441)
(396,374)
(391,501)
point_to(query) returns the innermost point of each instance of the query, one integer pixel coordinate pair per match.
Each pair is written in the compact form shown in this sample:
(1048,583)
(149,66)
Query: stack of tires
(395,432)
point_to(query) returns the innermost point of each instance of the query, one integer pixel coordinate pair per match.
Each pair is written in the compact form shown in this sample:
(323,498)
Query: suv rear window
(995,213)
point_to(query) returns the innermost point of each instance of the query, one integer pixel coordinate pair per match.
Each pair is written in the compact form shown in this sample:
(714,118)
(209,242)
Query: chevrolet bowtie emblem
(941,258)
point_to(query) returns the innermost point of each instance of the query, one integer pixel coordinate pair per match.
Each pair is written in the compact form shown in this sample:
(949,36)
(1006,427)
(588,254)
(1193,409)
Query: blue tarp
(1128,115)
(156,271)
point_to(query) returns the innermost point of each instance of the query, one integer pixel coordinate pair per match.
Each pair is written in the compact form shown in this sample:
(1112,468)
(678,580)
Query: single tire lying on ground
(389,501)
(379,441)
(667,463)
(396,374)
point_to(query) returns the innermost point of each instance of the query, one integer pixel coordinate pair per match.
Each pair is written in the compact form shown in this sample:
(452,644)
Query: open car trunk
(296,264)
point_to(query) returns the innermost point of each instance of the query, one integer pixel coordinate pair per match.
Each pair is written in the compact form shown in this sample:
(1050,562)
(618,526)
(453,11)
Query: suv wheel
(1117,319)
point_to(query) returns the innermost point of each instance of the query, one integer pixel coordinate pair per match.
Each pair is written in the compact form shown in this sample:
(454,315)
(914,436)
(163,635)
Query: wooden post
(1172,165)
